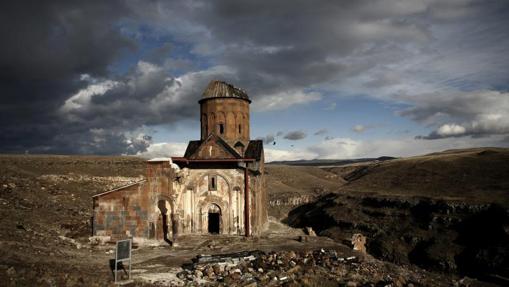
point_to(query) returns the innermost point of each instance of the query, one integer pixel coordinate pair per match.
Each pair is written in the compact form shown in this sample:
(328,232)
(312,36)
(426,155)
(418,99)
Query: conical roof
(220,89)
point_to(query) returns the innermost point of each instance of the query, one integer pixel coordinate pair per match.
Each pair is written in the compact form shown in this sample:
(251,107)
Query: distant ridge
(331,162)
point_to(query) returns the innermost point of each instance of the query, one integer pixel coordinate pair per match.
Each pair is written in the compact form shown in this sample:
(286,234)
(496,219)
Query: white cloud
(451,130)
(359,128)
(145,96)
(336,148)
(410,147)
(282,155)
(185,86)
(479,113)
(285,99)
(164,150)
(347,148)
(81,100)
(393,50)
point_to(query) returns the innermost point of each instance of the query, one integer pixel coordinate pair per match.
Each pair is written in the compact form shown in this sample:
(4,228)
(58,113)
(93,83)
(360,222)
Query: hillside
(444,211)
(46,210)
(330,162)
(479,174)
(291,186)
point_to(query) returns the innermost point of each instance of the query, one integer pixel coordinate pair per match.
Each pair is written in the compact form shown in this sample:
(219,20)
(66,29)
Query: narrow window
(204,130)
(240,129)
(221,128)
(212,183)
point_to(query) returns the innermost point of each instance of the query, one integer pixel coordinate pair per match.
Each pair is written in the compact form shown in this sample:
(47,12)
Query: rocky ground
(320,267)
(45,206)
(447,212)
(280,258)
(291,186)
(443,236)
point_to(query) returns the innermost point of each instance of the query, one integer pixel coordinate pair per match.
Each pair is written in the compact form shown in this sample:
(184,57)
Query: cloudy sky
(328,79)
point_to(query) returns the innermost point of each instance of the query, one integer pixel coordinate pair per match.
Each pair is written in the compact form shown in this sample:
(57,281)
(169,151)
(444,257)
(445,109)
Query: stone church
(217,187)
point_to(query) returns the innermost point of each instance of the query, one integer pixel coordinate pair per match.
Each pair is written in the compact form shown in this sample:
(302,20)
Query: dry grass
(479,175)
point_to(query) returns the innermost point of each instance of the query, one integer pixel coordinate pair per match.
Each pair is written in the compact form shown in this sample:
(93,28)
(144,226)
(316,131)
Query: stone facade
(217,187)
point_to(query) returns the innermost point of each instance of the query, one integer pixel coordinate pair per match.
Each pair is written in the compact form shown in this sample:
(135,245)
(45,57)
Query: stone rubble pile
(324,267)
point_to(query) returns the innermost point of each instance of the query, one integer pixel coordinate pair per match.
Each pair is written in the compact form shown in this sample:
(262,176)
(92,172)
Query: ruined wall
(259,214)
(196,197)
(135,210)
(126,212)
(259,190)
(169,204)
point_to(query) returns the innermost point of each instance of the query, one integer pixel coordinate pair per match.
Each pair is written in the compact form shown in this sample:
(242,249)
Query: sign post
(123,254)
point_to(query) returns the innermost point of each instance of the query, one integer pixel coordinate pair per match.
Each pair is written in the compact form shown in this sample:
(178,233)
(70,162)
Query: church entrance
(214,219)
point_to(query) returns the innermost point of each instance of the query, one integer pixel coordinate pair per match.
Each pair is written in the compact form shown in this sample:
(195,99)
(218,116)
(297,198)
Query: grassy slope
(284,182)
(36,165)
(37,203)
(300,180)
(479,174)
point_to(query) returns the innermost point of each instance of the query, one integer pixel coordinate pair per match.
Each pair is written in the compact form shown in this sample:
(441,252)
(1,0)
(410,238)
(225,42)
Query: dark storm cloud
(294,45)
(288,46)
(44,40)
(46,46)
(281,52)
(295,135)
(146,96)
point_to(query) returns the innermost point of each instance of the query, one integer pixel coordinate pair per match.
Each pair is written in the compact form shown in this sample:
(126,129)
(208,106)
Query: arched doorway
(163,221)
(167,222)
(214,219)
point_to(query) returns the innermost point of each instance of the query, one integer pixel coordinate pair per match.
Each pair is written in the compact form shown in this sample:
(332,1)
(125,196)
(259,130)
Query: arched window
(221,128)
(204,124)
(240,129)
(212,182)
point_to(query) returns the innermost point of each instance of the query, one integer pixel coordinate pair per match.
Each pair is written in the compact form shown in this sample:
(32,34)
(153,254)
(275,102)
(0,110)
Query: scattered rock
(358,242)
(20,226)
(198,274)
(310,231)
(11,271)
(303,238)
(322,267)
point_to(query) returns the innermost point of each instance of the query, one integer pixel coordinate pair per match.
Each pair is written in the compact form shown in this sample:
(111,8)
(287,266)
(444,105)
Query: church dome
(220,89)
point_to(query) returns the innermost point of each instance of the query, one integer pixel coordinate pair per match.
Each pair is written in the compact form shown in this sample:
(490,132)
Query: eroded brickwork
(124,213)
(217,187)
